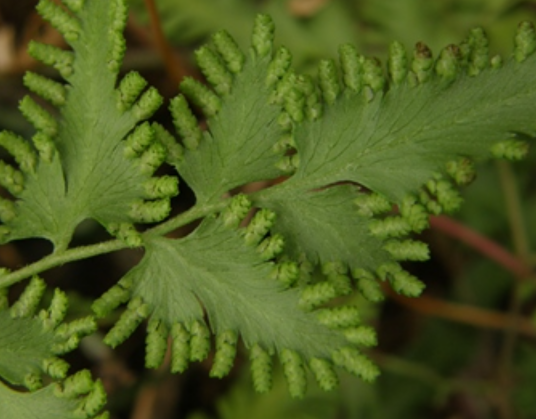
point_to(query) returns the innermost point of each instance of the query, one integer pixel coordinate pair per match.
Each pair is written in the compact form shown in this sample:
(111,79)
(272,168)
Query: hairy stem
(194,213)
(85,252)
(57,259)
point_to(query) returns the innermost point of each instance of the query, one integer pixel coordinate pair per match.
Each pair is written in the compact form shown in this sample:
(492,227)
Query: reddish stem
(482,244)
(172,68)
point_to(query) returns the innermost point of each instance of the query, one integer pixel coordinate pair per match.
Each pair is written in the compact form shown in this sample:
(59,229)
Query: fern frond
(93,161)
(243,114)
(31,341)
(223,274)
(407,141)
(76,396)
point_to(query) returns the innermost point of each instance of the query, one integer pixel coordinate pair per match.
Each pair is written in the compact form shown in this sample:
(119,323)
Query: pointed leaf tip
(214,70)
(199,340)
(67,25)
(423,62)
(373,75)
(525,41)
(279,66)
(261,369)
(180,348)
(202,96)
(20,149)
(294,371)
(134,314)
(139,140)
(356,363)
(156,343)
(7,208)
(329,81)
(117,44)
(339,317)
(48,89)
(185,122)
(235,212)
(315,295)
(259,226)
(129,89)
(148,104)
(476,51)
(38,117)
(12,180)
(368,286)
(398,62)
(225,353)
(263,35)
(227,47)
(352,67)
(55,314)
(512,149)
(324,373)
(447,65)
(27,303)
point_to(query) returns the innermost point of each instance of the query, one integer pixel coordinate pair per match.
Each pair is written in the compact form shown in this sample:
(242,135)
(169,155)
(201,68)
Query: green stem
(514,210)
(56,259)
(194,213)
(85,252)
(522,249)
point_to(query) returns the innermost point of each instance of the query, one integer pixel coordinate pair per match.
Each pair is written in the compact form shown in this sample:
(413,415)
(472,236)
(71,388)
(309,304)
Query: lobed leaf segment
(32,342)
(232,270)
(90,157)
(77,396)
(248,134)
(400,142)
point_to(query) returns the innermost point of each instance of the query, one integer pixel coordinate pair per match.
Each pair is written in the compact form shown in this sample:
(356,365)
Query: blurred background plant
(465,349)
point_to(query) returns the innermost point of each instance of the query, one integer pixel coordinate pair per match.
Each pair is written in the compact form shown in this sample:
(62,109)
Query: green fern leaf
(75,397)
(333,213)
(86,168)
(395,142)
(30,343)
(404,142)
(220,270)
(242,119)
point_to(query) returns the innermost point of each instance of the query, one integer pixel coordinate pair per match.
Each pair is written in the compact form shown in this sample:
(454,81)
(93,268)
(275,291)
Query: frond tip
(134,314)
(261,368)
(263,35)
(37,339)
(66,24)
(294,373)
(156,343)
(225,353)
(324,373)
(27,303)
(229,50)
(213,68)
(525,41)
(356,363)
